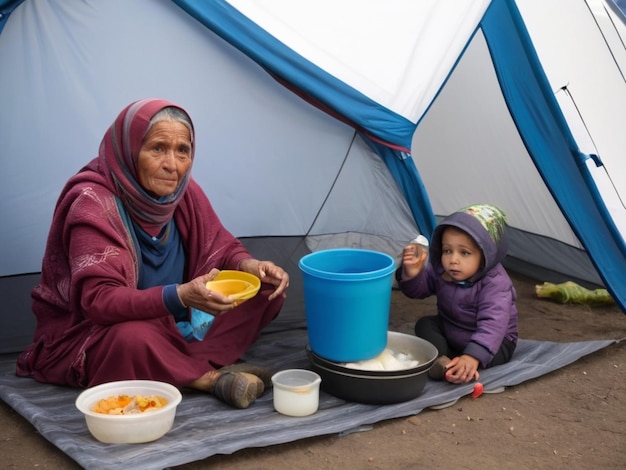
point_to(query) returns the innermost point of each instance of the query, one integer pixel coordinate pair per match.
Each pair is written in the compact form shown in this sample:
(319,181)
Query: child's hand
(462,369)
(413,259)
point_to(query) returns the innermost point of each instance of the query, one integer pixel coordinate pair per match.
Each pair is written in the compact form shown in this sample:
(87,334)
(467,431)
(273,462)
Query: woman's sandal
(238,389)
(264,374)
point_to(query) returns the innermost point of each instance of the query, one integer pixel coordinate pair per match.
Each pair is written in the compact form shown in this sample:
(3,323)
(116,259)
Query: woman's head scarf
(118,156)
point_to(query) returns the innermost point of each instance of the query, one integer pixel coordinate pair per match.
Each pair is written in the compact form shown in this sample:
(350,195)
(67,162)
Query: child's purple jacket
(479,313)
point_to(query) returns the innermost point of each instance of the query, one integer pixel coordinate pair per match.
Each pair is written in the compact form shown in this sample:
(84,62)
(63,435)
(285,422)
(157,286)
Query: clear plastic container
(296,392)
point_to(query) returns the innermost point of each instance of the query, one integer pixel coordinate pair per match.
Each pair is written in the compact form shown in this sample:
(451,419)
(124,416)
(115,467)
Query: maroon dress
(93,324)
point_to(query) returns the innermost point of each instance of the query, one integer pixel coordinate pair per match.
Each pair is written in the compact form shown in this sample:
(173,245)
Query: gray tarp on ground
(204,427)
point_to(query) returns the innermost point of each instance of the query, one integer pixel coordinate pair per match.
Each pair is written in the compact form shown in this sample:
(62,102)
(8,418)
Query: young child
(476,322)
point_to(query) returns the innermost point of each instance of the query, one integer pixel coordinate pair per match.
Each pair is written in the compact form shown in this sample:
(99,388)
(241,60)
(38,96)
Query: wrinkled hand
(462,369)
(195,294)
(269,273)
(413,259)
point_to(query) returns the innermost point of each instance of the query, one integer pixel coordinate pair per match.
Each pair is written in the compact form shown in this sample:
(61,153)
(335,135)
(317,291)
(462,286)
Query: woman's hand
(269,273)
(413,259)
(195,294)
(462,369)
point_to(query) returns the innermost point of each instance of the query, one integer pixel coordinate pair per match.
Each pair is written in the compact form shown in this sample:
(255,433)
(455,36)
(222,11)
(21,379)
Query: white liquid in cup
(296,392)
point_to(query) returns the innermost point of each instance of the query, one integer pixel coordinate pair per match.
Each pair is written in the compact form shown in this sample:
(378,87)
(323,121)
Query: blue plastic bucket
(347,294)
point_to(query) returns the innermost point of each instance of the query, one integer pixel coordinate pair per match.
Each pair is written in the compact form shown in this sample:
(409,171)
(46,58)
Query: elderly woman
(133,242)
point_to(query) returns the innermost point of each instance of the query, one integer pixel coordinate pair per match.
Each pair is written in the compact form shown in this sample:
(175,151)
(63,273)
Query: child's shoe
(438,370)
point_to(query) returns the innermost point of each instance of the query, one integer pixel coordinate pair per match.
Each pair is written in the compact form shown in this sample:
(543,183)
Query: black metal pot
(378,387)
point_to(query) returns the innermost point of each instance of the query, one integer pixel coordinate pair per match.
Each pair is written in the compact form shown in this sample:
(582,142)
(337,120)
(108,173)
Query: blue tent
(363,123)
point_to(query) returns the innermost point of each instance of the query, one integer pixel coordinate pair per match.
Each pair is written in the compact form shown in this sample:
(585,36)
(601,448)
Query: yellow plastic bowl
(238,285)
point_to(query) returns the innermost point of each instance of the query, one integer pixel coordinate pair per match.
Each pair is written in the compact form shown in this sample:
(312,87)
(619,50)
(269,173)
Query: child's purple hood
(486,225)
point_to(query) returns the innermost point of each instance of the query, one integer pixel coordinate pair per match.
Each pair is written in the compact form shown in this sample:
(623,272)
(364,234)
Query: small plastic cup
(296,392)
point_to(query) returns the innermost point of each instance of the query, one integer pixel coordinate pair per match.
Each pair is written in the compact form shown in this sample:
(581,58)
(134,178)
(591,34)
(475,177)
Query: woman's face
(460,255)
(164,158)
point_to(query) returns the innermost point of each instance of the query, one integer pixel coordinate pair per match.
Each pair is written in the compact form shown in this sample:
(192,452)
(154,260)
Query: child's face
(460,255)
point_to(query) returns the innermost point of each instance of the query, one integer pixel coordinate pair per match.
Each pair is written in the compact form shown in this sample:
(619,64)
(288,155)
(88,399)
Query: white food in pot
(386,360)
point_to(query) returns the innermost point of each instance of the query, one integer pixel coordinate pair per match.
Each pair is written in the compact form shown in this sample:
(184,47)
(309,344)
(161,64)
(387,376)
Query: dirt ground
(573,418)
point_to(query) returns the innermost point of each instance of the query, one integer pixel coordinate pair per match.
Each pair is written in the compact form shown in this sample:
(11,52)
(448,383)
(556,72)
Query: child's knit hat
(491,218)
